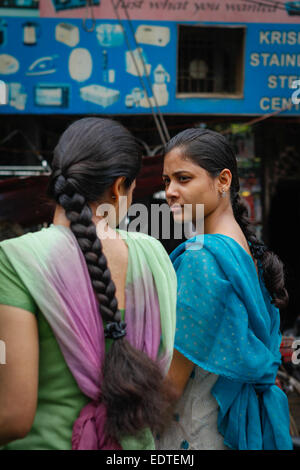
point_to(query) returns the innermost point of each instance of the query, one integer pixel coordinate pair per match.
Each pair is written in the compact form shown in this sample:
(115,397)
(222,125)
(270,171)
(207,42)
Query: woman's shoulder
(201,247)
(150,249)
(35,235)
(217,247)
(142,239)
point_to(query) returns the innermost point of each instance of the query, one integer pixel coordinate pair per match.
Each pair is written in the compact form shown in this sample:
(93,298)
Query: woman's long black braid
(272,267)
(211,151)
(80,215)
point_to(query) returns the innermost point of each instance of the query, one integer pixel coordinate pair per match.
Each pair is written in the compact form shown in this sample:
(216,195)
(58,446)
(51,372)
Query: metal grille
(210,60)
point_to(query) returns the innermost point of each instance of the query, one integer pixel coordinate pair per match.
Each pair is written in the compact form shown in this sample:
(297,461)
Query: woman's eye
(165,181)
(183,178)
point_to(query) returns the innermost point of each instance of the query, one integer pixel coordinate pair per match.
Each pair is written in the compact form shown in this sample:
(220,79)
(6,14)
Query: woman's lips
(176,208)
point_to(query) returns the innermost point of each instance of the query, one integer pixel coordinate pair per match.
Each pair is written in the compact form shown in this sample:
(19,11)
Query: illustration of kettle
(31,31)
(160,75)
(3,26)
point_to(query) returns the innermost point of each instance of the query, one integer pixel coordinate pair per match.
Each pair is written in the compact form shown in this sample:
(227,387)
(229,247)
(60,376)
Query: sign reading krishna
(130,56)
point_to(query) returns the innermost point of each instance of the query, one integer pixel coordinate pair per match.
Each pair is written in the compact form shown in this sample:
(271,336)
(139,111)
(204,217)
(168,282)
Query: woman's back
(60,393)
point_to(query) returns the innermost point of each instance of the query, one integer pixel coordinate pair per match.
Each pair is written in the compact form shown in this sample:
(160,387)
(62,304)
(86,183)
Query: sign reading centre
(277,61)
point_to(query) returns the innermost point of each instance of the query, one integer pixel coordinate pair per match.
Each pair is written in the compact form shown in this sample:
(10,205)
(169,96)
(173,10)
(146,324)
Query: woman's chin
(178,217)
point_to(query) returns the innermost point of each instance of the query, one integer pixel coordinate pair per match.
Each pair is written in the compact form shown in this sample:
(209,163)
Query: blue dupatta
(227,325)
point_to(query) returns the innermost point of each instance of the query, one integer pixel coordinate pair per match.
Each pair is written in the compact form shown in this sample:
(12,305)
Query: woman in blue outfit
(230,289)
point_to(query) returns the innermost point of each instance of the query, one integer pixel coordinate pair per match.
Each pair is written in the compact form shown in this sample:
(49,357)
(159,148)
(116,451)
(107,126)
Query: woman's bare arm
(179,372)
(19,374)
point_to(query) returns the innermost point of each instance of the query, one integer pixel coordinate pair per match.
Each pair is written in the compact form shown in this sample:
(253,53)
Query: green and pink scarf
(53,269)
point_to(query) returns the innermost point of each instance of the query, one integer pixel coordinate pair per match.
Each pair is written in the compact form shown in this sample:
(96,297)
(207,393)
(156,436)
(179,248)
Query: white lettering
(279,37)
(2,352)
(264,37)
(279,60)
(254,59)
(296,100)
(278,103)
(296,354)
(274,60)
(276,37)
(118,460)
(265,56)
(264,107)
(272,81)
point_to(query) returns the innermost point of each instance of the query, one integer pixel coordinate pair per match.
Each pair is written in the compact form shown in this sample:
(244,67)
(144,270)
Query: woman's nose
(172,190)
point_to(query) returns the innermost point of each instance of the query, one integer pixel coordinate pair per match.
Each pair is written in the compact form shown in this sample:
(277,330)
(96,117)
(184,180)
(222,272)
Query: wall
(56,62)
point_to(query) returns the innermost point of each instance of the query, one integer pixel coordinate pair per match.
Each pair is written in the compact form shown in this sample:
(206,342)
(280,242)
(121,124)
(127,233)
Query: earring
(113,197)
(223,192)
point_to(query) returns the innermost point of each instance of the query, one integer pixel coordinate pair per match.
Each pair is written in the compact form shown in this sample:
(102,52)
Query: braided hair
(90,155)
(211,151)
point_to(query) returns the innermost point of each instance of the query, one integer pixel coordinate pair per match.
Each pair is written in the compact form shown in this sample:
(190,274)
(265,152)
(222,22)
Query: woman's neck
(220,220)
(103,229)
(60,217)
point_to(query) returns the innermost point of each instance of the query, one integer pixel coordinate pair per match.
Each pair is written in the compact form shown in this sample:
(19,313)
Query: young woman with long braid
(87,311)
(229,289)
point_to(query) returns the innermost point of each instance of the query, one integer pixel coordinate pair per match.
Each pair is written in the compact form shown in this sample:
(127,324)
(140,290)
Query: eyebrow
(177,173)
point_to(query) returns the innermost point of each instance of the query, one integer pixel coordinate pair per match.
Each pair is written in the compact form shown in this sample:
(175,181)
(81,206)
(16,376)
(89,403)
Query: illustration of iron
(42,66)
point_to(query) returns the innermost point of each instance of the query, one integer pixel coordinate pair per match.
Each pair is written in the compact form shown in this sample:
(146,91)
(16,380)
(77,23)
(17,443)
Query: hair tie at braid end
(115,330)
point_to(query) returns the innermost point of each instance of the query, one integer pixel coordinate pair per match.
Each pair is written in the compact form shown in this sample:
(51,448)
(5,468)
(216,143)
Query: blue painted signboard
(55,65)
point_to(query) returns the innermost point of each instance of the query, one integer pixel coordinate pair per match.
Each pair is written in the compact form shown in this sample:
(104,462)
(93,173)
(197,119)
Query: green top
(59,397)
(31,269)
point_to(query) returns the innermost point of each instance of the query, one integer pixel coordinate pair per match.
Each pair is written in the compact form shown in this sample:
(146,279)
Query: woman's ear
(118,188)
(225,178)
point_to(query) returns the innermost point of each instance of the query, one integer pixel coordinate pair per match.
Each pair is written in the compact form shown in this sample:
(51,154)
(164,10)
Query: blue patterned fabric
(227,325)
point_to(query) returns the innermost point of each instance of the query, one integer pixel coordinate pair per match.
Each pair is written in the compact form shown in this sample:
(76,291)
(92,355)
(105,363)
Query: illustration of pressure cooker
(31,31)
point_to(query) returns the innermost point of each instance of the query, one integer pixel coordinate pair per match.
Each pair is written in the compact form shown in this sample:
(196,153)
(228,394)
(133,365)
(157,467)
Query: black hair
(90,155)
(212,151)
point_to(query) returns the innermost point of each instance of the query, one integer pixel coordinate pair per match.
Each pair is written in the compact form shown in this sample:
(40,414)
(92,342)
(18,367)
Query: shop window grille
(210,61)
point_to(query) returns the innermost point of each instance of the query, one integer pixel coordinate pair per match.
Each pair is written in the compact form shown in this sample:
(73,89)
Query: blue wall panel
(100,78)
